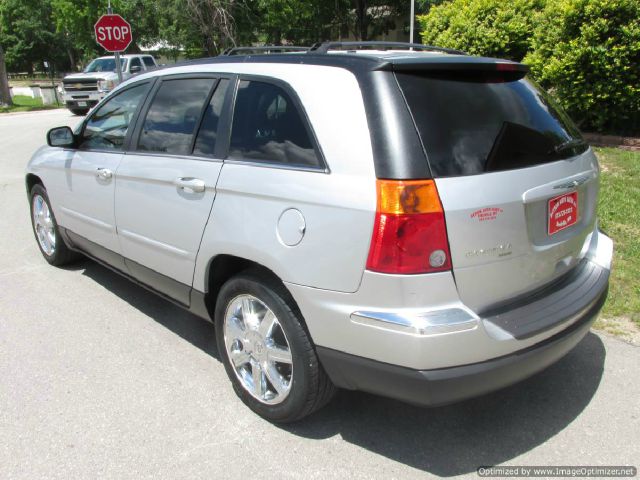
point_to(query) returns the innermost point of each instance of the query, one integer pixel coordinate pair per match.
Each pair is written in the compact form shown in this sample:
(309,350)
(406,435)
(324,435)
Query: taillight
(409,233)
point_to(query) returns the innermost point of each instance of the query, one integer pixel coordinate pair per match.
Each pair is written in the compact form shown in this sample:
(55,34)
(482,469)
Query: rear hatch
(517,183)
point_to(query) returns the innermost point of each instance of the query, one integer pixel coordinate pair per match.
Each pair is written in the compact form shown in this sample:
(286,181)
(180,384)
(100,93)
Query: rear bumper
(419,321)
(447,385)
(410,337)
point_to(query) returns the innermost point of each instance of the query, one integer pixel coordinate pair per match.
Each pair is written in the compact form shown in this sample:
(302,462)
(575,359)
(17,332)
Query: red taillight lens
(409,234)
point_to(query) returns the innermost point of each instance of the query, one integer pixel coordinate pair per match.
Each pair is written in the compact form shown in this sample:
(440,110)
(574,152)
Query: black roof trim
(448,63)
(265,50)
(353,63)
(324,47)
(357,62)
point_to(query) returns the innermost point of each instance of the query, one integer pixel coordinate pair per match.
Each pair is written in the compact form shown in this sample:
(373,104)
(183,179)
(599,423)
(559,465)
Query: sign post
(113,33)
(117,54)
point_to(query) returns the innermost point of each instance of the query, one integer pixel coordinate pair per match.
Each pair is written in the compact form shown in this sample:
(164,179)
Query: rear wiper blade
(574,142)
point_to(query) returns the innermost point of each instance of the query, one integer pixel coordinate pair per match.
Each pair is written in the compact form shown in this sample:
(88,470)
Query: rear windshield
(481,122)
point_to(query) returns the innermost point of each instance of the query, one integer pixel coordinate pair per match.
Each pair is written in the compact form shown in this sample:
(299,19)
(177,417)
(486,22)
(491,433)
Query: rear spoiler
(453,64)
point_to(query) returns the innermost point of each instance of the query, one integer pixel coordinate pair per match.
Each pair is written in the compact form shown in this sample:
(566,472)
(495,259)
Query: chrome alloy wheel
(43,225)
(258,349)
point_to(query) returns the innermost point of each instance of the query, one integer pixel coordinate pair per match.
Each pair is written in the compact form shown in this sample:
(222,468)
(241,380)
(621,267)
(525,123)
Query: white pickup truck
(81,91)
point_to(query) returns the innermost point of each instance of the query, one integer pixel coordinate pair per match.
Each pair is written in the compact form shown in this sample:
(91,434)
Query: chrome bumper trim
(421,323)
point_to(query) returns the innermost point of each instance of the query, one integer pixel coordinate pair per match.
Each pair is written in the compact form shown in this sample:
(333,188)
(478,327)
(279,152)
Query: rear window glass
(267,127)
(476,123)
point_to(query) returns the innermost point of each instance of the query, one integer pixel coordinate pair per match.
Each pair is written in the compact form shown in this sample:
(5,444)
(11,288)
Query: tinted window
(148,61)
(107,127)
(135,62)
(174,114)
(479,123)
(267,126)
(206,139)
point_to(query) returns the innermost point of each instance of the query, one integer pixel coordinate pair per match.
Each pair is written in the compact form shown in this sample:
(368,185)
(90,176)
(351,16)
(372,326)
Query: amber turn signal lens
(409,232)
(411,196)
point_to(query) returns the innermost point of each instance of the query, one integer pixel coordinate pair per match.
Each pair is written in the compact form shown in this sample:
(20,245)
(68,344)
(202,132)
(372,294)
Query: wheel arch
(32,179)
(223,267)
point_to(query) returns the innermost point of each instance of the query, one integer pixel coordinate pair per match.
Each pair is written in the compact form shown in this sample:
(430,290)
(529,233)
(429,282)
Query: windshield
(104,65)
(473,123)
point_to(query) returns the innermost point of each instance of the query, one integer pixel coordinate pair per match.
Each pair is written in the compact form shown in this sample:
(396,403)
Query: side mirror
(135,69)
(61,137)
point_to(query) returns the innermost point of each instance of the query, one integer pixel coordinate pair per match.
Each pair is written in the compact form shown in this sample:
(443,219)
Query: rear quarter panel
(338,206)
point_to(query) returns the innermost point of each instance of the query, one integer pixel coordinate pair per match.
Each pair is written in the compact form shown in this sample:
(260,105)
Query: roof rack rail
(324,47)
(266,50)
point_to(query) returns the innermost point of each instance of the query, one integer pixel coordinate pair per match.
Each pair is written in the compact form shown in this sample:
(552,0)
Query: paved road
(101,379)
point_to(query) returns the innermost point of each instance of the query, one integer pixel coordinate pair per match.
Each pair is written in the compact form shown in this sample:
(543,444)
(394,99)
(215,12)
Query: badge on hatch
(563,212)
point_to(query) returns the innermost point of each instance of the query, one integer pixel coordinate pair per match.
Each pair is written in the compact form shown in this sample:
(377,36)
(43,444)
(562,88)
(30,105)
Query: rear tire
(291,383)
(46,231)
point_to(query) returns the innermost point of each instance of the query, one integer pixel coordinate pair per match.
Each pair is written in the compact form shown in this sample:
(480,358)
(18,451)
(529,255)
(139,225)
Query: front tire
(266,350)
(46,229)
(79,111)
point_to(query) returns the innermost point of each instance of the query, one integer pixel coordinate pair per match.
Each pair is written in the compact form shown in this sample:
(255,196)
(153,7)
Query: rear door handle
(190,184)
(104,173)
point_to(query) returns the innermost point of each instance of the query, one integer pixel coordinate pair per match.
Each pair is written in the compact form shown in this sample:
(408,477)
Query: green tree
(494,28)
(215,22)
(28,37)
(308,21)
(301,22)
(75,19)
(5,93)
(587,52)
(372,18)
(199,28)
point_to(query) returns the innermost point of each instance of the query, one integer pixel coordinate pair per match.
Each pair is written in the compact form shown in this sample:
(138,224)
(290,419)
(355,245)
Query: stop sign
(113,33)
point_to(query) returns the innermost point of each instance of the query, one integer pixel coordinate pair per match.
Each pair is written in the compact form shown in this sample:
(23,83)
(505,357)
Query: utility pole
(411,20)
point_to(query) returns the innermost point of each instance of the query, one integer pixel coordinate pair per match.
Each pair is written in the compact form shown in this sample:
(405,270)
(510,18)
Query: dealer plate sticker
(563,212)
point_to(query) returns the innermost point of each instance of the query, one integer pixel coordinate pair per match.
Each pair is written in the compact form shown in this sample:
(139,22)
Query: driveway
(101,379)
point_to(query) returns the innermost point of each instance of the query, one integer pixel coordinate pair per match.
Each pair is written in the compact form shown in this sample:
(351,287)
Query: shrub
(494,28)
(587,52)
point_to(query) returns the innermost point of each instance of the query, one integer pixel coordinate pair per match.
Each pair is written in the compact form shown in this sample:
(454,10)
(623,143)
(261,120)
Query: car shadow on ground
(191,328)
(459,438)
(444,441)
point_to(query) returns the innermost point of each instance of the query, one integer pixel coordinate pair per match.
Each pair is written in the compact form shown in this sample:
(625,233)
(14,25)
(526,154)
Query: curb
(628,143)
(24,112)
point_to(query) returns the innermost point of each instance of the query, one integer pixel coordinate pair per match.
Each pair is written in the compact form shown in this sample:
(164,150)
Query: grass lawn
(619,214)
(23,103)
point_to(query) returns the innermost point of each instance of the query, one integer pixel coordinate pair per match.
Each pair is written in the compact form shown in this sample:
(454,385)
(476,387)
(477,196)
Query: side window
(174,115)
(268,127)
(135,62)
(148,61)
(206,139)
(107,127)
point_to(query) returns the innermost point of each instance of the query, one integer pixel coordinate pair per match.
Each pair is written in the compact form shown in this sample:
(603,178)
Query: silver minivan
(399,219)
